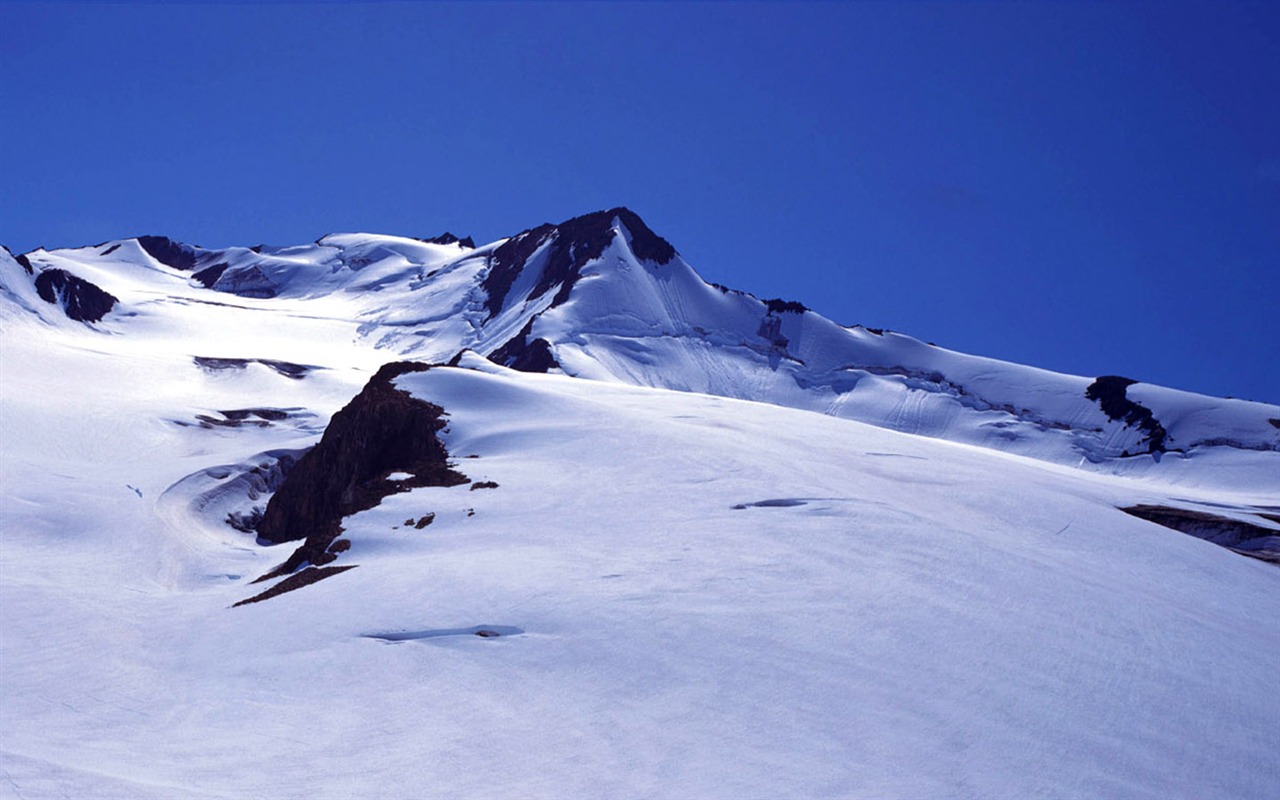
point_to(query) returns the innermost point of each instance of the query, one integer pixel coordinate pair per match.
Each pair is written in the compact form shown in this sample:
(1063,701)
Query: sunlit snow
(670,593)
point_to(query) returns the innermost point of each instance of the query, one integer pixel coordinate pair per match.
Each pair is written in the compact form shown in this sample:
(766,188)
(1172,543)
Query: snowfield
(668,594)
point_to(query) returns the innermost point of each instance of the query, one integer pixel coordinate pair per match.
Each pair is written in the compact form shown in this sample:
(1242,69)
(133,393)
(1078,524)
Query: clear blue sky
(1090,188)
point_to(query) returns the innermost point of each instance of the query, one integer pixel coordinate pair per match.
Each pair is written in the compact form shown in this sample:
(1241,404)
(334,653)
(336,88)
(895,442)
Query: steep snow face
(656,323)
(603,297)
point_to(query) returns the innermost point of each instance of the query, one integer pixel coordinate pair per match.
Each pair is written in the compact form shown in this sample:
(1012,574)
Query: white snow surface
(697,595)
(630,320)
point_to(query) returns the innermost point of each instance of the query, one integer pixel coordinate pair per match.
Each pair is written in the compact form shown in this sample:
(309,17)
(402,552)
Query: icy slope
(602,296)
(695,596)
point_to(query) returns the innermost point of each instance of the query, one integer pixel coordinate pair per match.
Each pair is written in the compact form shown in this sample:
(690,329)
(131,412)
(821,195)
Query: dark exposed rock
(521,353)
(245,417)
(307,577)
(270,414)
(381,431)
(508,260)
(79,299)
(1110,393)
(209,275)
(169,252)
(570,245)
(245,521)
(247,282)
(423,521)
(778,306)
(218,364)
(484,485)
(285,368)
(111,250)
(449,238)
(1275,423)
(771,330)
(1236,535)
(25,262)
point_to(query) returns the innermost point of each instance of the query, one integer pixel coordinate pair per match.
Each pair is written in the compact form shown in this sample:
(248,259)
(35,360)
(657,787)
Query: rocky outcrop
(570,245)
(449,238)
(1237,535)
(23,261)
(79,299)
(525,354)
(779,306)
(169,252)
(1110,393)
(383,430)
(208,276)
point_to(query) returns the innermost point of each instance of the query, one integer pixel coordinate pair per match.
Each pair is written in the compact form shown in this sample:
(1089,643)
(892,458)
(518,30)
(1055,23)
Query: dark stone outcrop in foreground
(381,431)
(1110,392)
(1236,535)
(79,299)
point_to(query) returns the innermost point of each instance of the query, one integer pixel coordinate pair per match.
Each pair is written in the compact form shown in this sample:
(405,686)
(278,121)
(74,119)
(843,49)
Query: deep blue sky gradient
(1090,188)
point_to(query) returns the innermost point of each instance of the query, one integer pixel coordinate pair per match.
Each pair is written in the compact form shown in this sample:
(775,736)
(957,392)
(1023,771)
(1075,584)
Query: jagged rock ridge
(570,246)
(381,431)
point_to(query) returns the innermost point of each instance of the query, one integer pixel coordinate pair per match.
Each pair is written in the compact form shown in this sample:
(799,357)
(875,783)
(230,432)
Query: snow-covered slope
(602,296)
(711,592)
(695,596)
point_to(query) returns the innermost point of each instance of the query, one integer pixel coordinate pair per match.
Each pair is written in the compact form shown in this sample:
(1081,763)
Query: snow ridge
(602,296)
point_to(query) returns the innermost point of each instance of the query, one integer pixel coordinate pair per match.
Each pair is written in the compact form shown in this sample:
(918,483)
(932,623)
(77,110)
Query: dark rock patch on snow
(525,354)
(79,299)
(208,276)
(25,263)
(483,631)
(306,577)
(285,368)
(781,502)
(484,485)
(778,306)
(169,252)
(1237,535)
(1110,393)
(383,430)
(249,417)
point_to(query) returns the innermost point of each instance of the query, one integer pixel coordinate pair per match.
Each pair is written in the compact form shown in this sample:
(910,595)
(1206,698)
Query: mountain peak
(571,244)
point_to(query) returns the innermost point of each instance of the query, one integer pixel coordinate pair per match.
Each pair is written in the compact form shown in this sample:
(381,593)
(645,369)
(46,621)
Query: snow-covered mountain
(244,554)
(602,296)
